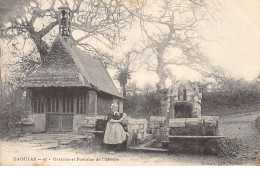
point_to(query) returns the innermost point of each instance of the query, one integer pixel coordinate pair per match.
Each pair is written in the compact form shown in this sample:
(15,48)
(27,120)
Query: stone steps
(144,147)
(149,149)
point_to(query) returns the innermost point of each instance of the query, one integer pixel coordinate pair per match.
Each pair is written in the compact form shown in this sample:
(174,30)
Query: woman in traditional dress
(115,135)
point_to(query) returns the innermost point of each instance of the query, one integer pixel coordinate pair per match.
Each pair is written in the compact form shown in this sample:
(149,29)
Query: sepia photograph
(129,82)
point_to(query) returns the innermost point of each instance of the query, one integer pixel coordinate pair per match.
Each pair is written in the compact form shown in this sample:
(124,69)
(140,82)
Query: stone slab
(157,118)
(194,121)
(178,122)
(150,149)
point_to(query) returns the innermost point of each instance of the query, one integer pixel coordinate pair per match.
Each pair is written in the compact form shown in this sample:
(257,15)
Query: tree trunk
(40,44)
(161,47)
(160,71)
(162,80)
(123,90)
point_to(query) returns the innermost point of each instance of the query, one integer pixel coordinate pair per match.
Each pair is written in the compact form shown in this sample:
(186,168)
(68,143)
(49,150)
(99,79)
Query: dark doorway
(182,110)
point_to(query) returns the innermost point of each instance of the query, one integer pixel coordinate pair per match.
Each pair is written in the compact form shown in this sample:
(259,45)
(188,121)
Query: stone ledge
(181,122)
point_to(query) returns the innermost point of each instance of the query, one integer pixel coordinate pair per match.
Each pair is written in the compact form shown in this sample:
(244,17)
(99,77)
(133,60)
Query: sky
(234,43)
(238,48)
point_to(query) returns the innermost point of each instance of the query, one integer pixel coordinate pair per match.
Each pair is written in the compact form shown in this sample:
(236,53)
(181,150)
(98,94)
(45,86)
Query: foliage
(12,110)
(236,95)
(257,124)
(143,104)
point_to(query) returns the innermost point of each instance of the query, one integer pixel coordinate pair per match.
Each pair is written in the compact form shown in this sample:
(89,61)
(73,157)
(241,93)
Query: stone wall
(137,130)
(81,122)
(156,121)
(39,122)
(203,126)
(157,127)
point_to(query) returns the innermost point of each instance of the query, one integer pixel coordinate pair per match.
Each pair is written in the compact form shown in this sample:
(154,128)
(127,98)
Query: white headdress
(114,104)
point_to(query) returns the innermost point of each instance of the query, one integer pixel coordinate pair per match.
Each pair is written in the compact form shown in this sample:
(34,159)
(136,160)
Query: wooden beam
(57,103)
(75,103)
(69,104)
(83,103)
(41,103)
(51,103)
(60,94)
(66,104)
(44,103)
(80,103)
(86,102)
(92,103)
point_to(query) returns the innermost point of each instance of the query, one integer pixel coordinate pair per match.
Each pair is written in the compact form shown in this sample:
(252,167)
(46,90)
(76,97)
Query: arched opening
(182,96)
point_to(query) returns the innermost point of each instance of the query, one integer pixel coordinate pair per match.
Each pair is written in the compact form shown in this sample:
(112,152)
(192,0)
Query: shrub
(235,100)
(257,124)
(142,105)
(12,110)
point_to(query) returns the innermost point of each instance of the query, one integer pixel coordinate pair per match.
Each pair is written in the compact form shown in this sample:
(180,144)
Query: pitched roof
(68,66)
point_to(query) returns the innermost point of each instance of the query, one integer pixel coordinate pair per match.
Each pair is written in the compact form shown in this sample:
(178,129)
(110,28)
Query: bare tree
(129,63)
(177,24)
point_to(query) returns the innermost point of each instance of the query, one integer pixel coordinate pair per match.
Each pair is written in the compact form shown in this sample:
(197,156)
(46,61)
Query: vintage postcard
(129,82)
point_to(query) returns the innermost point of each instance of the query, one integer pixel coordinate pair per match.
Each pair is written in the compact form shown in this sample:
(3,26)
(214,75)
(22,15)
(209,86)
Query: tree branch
(47,29)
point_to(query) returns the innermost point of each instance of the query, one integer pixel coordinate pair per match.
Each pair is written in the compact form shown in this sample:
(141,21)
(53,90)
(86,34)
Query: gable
(56,76)
(58,55)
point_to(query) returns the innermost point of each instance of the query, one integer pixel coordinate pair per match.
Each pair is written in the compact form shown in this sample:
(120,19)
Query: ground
(242,147)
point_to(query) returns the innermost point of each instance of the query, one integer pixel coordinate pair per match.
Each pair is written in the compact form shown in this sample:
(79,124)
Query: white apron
(114,133)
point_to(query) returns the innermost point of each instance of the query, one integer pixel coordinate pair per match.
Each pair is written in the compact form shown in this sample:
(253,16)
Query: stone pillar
(92,103)
(121,110)
(170,109)
(115,100)
(169,105)
(28,101)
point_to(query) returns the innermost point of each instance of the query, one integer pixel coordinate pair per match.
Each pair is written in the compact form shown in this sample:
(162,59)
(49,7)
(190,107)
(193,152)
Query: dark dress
(117,117)
(114,116)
